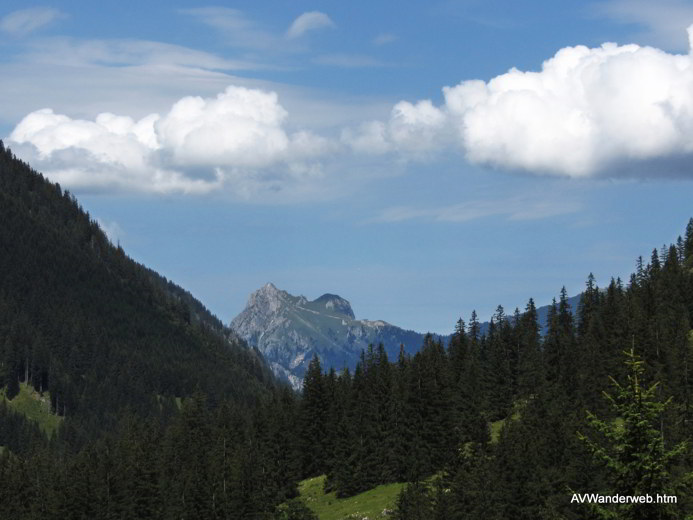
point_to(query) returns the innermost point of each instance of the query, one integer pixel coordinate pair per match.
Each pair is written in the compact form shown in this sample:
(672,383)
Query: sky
(420,159)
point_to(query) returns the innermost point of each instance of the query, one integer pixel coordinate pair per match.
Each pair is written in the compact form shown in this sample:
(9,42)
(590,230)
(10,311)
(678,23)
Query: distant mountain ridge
(289,330)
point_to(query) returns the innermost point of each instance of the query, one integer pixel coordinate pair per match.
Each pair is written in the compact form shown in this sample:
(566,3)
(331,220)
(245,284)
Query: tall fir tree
(313,410)
(633,449)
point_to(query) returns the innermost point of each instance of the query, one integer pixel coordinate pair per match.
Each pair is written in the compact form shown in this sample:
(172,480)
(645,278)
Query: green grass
(369,504)
(178,401)
(496,427)
(34,407)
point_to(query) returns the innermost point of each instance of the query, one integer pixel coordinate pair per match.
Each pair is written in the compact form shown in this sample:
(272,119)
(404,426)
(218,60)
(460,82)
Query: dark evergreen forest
(166,415)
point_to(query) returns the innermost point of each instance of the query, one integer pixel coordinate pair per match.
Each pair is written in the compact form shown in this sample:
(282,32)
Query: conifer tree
(402,434)
(530,372)
(499,374)
(633,449)
(474,330)
(340,472)
(559,347)
(414,503)
(688,245)
(313,427)
(458,350)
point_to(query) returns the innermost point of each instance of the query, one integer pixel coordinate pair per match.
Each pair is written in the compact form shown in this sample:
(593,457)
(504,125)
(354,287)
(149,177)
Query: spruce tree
(688,245)
(632,447)
(313,415)
(530,373)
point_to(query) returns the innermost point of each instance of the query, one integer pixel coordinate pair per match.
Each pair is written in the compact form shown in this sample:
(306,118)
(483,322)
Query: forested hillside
(511,425)
(81,320)
(145,380)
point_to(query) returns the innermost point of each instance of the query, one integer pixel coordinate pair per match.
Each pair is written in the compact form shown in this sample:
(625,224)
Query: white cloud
(86,77)
(25,21)
(241,127)
(83,78)
(413,129)
(415,126)
(610,111)
(607,111)
(236,140)
(586,112)
(73,52)
(369,138)
(309,21)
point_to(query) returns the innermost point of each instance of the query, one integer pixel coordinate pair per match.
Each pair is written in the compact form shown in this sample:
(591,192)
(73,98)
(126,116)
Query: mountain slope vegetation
(81,320)
(114,351)
(516,424)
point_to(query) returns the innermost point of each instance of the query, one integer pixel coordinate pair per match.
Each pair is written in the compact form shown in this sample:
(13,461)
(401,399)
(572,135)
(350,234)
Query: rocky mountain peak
(289,330)
(267,298)
(335,305)
(269,290)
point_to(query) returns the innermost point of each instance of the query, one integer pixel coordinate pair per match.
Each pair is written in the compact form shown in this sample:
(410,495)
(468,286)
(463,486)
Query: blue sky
(420,159)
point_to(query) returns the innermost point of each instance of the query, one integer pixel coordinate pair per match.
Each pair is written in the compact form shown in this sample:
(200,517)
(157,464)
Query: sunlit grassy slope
(34,407)
(370,504)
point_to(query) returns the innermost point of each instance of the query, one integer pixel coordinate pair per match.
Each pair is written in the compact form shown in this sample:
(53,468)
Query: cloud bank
(610,111)
(607,111)
(236,139)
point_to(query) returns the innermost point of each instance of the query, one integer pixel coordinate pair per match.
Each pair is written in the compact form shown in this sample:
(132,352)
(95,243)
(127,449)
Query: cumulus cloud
(413,129)
(308,22)
(236,139)
(25,21)
(611,110)
(586,111)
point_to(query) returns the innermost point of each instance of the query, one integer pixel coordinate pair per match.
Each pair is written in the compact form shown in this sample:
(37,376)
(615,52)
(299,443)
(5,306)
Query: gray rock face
(289,330)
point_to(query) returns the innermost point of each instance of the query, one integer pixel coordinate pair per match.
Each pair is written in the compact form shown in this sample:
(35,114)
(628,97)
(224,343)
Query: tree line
(506,424)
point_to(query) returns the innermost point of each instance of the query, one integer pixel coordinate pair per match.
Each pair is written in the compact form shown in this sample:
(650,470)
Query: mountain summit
(289,330)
